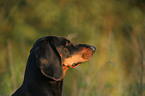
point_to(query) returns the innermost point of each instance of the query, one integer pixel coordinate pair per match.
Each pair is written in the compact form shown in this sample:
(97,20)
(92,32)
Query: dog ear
(49,60)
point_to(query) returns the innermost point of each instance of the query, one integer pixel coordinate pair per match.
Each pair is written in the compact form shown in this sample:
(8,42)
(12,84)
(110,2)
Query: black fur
(44,73)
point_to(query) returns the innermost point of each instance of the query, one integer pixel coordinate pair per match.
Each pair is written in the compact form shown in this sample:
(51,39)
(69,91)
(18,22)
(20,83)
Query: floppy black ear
(48,60)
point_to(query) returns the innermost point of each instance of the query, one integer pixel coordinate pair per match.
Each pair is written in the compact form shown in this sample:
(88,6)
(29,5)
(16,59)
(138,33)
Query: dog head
(54,55)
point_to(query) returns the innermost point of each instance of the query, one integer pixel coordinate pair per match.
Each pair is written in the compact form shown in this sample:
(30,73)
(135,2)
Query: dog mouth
(75,64)
(87,55)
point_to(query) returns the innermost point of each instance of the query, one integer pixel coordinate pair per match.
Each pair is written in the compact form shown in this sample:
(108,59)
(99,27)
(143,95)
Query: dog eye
(67,43)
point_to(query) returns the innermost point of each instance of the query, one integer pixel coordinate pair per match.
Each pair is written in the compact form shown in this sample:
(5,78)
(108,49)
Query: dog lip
(75,64)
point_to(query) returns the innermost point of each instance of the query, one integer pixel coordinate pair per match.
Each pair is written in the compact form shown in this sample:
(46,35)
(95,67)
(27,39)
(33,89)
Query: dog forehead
(59,41)
(55,39)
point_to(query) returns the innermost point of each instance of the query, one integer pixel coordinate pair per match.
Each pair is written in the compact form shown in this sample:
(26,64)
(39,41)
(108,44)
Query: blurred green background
(115,27)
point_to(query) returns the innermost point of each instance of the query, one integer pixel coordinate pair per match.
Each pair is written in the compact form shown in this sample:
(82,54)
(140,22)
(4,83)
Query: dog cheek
(73,59)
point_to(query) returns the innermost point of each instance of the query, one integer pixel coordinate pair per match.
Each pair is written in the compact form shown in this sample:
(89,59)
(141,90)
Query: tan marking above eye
(61,55)
(66,44)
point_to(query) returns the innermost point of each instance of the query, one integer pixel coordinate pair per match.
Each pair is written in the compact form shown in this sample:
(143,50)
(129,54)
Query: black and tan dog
(47,64)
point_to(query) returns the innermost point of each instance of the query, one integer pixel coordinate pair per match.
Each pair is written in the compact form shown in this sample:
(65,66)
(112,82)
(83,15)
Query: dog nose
(93,48)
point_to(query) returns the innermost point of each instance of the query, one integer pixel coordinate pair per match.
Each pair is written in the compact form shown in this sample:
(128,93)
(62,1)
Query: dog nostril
(93,48)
